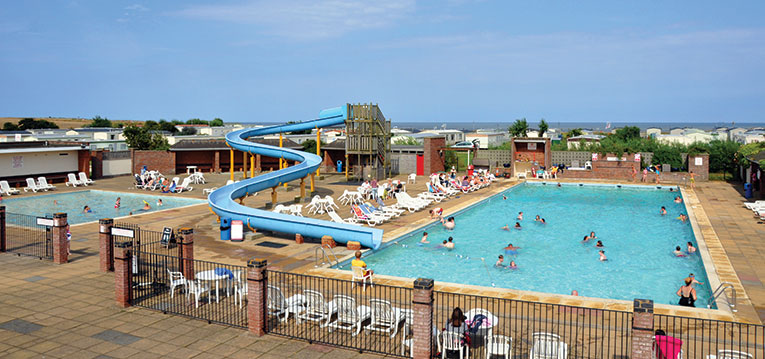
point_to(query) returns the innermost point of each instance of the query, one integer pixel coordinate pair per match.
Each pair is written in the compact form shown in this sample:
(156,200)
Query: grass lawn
(720,176)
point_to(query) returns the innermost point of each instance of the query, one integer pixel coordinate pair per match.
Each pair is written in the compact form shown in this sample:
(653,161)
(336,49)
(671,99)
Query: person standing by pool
(436,213)
(687,294)
(663,210)
(424,238)
(634,173)
(602,254)
(449,244)
(645,175)
(693,180)
(691,249)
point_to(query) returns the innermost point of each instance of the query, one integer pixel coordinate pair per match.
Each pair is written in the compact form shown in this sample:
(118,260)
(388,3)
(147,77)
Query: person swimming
(512,265)
(540,220)
(592,235)
(678,199)
(511,250)
(117,203)
(682,217)
(424,238)
(517,225)
(602,254)
(500,261)
(146,206)
(585,239)
(504,197)
(506,227)
(442,245)
(520,216)
(663,210)
(690,248)
(678,252)
(599,244)
(86,209)
(449,244)
(558,184)
(160,203)
(449,223)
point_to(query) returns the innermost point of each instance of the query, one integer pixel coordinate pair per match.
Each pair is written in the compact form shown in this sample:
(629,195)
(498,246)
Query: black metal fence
(214,292)
(534,330)
(25,237)
(698,338)
(341,313)
(144,240)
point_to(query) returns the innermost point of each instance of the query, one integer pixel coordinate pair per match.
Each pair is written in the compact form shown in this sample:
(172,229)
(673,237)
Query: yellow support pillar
(281,159)
(318,147)
(231,164)
(273,195)
(312,183)
(346,167)
(302,188)
(244,164)
(252,165)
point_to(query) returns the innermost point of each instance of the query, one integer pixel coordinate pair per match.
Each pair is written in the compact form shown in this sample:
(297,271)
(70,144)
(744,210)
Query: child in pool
(117,203)
(678,252)
(602,255)
(86,209)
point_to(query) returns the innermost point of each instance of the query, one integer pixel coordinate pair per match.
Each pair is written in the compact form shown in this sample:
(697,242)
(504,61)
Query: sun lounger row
(758,207)
(35,186)
(82,181)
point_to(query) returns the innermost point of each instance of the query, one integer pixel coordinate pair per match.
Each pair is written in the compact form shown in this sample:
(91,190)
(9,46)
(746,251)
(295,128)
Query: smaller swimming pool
(100,202)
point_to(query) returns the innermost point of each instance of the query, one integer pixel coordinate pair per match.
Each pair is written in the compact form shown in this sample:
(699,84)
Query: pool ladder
(720,291)
(324,255)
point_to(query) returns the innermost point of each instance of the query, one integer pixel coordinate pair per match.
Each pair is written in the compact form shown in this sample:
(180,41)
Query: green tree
(99,121)
(543,127)
(575,132)
(151,125)
(196,121)
(722,156)
(310,146)
(10,126)
(627,133)
(406,140)
(140,138)
(168,126)
(450,160)
(216,122)
(519,128)
(188,131)
(748,150)
(31,124)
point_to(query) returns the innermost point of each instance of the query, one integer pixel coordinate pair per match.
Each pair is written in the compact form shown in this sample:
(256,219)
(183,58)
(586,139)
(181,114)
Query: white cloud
(136,7)
(305,19)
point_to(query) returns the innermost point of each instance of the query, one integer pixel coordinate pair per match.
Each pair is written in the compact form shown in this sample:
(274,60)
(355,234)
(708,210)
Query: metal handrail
(332,251)
(720,291)
(324,255)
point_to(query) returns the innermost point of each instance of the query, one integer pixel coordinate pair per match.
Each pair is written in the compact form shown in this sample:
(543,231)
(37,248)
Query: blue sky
(439,61)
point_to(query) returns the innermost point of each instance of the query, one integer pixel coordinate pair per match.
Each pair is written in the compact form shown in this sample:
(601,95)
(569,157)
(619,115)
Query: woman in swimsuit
(687,294)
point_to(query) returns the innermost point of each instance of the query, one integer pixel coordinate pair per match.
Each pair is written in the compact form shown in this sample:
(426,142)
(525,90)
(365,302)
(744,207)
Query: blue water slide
(223,200)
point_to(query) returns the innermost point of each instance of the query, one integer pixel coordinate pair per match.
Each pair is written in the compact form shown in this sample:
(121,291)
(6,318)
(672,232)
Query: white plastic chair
(730,354)
(85,180)
(411,178)
(385,317)
(548,346)
(184,186)
(454,341)
(197,288)
(278,304)
(316,308)
(176,280)
(73,181)
(42,182)
(358,274)
(296,210)
(31,185)
(499,345)
(349,315)
(6,188)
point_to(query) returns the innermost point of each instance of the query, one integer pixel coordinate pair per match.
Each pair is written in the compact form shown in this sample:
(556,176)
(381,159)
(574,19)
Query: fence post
(106,244)
(187,252)
(60,242)
(422,326)
(642,329)
(257,284)
(123,273)
(2,228)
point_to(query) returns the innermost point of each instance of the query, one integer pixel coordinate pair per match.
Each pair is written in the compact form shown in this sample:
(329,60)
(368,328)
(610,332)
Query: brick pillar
(2,228)
(257,163)
(123,275)
(105,244)
(187,252)
(642,329)
(60,244)
(422,304)
(433,157)
(257,284)
(216,162)
(701,170)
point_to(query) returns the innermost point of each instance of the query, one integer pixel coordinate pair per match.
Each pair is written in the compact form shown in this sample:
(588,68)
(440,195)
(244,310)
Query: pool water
(639,244)
(100,202)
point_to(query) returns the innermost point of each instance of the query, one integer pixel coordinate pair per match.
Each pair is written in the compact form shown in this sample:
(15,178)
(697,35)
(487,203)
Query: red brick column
(105,244)
(187,252)
(216,162)
(433,156)
(422,326)
(2,228)
(257,284)
(123,275)
(257,163)
(642,329)
(60,244)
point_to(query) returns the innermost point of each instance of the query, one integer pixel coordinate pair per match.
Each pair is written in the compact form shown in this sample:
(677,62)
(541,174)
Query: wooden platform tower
(367,141)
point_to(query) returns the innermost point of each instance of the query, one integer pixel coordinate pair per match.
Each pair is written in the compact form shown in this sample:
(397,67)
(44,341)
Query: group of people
(118,204)
(372,189)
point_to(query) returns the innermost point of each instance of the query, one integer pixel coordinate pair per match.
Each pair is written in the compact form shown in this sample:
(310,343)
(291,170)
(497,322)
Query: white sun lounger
(279,305)
(31,185)
(85,180)
(316,308)
(184,186)
(337,219)
(6,188)
(42,182)
(385,317)
(73,181)
(548,345)
(730,354)
(349,315)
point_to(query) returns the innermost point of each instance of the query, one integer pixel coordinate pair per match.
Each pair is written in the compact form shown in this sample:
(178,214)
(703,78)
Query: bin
(225,229)
(339,166)
(470,170)
(748,190)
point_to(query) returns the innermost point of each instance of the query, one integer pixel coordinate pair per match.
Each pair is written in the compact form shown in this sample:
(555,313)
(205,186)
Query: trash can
(225,229)
(470,170)
(339,166)
(748,190)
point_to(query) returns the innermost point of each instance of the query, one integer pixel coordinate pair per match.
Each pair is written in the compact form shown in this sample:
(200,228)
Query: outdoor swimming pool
(101,203)
(638,243)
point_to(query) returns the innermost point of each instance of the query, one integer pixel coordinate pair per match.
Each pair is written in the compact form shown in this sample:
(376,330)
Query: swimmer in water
(682,217)
(678,199)
(442,245)
(55,202)
(117,203)
(599,244)
(520,216)
(592,235)
(690,248)
(160,203)
(424,238)
(146,206)
(449,223)
(517,225)
(663,210)
(512,265)
(499,261)
(693,279)
(449,244)
(558,184)
(602,255)
(586,238)
(86,209)
(678,252)
(540,220)
(510,249)
(504,197)
(506,227)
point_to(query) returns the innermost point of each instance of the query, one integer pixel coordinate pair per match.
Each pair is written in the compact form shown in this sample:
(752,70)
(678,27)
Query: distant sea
(565,126)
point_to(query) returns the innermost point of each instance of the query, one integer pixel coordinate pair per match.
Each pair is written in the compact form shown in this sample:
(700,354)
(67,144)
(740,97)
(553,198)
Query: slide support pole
(231,164)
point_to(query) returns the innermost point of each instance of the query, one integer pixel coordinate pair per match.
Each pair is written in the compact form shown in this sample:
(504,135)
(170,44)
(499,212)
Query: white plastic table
(189,168)
(209,275)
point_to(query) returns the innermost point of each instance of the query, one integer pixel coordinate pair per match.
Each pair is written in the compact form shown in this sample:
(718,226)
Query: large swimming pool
(639,243)
(100,202)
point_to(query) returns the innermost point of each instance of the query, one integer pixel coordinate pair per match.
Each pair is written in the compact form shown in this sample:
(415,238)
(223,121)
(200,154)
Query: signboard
(594,156)
(698,161)
(167,236)
(532,146)
(17,137)
(637,157)
(123,232)
(237,230)
(42,221)
(18,161)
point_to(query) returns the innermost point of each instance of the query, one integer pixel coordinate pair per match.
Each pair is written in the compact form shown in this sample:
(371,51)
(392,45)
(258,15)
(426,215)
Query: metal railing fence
(25,237)
(701,337)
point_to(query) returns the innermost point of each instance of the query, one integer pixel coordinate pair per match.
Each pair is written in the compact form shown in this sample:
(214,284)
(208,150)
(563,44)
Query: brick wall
(204,160)
(434,158)
(701,171)
(162,161)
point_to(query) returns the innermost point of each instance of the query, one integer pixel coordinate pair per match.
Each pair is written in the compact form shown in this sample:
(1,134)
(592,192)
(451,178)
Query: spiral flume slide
(223,200)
